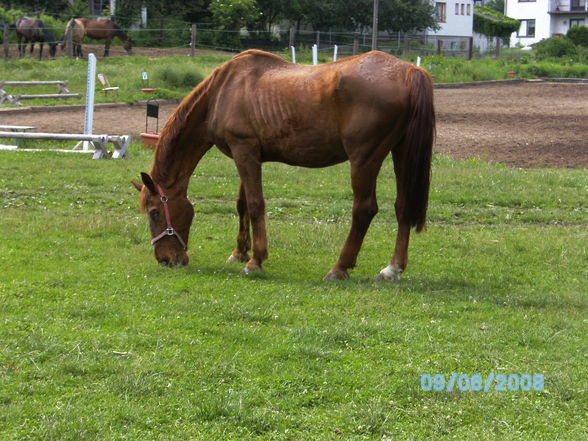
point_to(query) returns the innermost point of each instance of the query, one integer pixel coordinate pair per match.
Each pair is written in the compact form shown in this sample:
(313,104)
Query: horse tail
(418,145)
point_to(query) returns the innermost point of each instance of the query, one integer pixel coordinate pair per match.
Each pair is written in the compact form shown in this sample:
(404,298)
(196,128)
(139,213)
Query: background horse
(104,30)
(76,27)
(29,30)
(258,107)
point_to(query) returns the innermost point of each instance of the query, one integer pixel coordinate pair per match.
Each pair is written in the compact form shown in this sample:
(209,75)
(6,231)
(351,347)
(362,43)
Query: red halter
(169,231)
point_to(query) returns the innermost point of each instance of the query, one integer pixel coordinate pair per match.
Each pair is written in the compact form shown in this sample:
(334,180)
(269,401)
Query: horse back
(310,114)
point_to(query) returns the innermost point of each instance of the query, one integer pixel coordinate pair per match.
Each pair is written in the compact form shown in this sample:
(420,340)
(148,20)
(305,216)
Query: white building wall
(530,10)
(458,25)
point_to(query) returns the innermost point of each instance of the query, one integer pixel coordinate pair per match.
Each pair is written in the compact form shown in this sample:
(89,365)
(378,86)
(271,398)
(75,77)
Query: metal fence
(198,36)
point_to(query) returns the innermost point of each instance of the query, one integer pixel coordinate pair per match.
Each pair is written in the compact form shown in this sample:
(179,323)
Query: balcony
(568,7)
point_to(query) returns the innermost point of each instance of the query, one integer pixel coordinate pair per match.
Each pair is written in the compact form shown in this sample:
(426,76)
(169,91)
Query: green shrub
(578,35)
(179,77)
(555,47)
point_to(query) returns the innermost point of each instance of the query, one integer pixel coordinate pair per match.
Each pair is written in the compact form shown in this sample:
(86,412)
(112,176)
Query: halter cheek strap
(169,231)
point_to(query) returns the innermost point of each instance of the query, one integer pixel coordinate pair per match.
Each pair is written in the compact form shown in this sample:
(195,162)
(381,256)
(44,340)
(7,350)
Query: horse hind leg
(399,259)
(241,252)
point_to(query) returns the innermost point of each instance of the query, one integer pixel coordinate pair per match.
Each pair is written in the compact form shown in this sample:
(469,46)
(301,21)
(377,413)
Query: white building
(456,21)
(545,18)
(455,17)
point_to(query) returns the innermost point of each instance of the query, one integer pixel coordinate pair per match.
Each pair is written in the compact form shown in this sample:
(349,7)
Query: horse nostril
(181,261)
(164,262)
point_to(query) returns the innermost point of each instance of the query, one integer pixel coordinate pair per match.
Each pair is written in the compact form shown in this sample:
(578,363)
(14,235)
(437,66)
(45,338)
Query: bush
(179,77)
(555,47)
(578,35)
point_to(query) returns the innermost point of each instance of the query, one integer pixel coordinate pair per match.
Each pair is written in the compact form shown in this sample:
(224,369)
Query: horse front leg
(40,51)
(247,159)
(107,48)
(241,252)
(365,207)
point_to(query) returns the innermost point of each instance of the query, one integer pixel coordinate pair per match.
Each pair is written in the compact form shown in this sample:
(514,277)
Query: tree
(407,15)
(493,23)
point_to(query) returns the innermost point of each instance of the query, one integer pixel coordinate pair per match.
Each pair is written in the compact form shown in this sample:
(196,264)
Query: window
(469,9)
(576,22)
(462,9)
(457,9)
(441,11)
(527,28)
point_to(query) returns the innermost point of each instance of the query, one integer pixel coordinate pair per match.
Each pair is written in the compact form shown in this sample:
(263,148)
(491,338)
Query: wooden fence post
(470,48)
(355,43)
(439,46)
(318,39)
(498,40)
(6,41)
(193,40)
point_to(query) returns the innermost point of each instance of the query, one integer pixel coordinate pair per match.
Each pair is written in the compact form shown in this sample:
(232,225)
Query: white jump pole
(293,54)
(418,63)
(314,54)
(90,89)
(335,52)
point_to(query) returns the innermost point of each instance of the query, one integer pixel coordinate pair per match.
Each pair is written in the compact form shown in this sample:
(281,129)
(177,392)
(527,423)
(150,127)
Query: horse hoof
(233,259)
(390,274)
(250,269)
(336,275)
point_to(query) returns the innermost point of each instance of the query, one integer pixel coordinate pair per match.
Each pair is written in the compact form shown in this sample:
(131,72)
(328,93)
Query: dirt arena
(536,124)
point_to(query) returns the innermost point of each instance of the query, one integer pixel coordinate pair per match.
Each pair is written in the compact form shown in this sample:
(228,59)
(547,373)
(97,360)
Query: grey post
(6,41)
(355,43)
(69,41)
(193,40)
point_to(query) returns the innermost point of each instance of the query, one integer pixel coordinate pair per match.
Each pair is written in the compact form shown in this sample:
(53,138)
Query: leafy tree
(578,35)
(497,5)
(407,15)
(493,23)
(32,7)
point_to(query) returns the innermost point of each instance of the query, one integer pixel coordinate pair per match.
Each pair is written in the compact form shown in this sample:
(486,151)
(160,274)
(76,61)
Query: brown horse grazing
(29,30)
(104,30)
(258,107)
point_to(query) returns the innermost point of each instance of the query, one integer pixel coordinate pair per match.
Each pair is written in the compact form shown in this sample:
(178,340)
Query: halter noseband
(169,231)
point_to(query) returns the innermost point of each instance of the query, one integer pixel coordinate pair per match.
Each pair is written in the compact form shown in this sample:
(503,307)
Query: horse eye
(154,215)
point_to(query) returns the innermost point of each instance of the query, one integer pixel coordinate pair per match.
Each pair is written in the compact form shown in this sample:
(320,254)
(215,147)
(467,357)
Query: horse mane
(176,123)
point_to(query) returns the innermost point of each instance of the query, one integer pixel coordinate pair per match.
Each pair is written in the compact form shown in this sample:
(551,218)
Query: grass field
(176,76)
(98,342)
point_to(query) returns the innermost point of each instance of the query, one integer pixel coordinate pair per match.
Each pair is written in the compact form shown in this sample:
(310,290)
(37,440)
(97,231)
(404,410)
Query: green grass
(174,76)
(99,342)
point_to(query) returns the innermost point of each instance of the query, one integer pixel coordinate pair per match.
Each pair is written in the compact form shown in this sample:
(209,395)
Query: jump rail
(100,142)
(62,93)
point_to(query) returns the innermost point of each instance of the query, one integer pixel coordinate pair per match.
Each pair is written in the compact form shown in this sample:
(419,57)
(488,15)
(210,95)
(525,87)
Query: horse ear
(148,182)
(137,185)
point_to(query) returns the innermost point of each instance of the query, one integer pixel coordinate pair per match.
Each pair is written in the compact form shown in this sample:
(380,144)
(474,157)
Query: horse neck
(183,142)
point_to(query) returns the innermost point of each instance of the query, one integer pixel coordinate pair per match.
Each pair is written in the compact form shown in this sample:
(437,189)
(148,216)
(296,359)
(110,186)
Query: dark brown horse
(258,107)
(101,30)
(29,30)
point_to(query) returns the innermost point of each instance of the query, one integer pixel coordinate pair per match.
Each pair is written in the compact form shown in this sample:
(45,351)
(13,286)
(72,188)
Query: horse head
(53,48)
(128,46)
(170,216)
